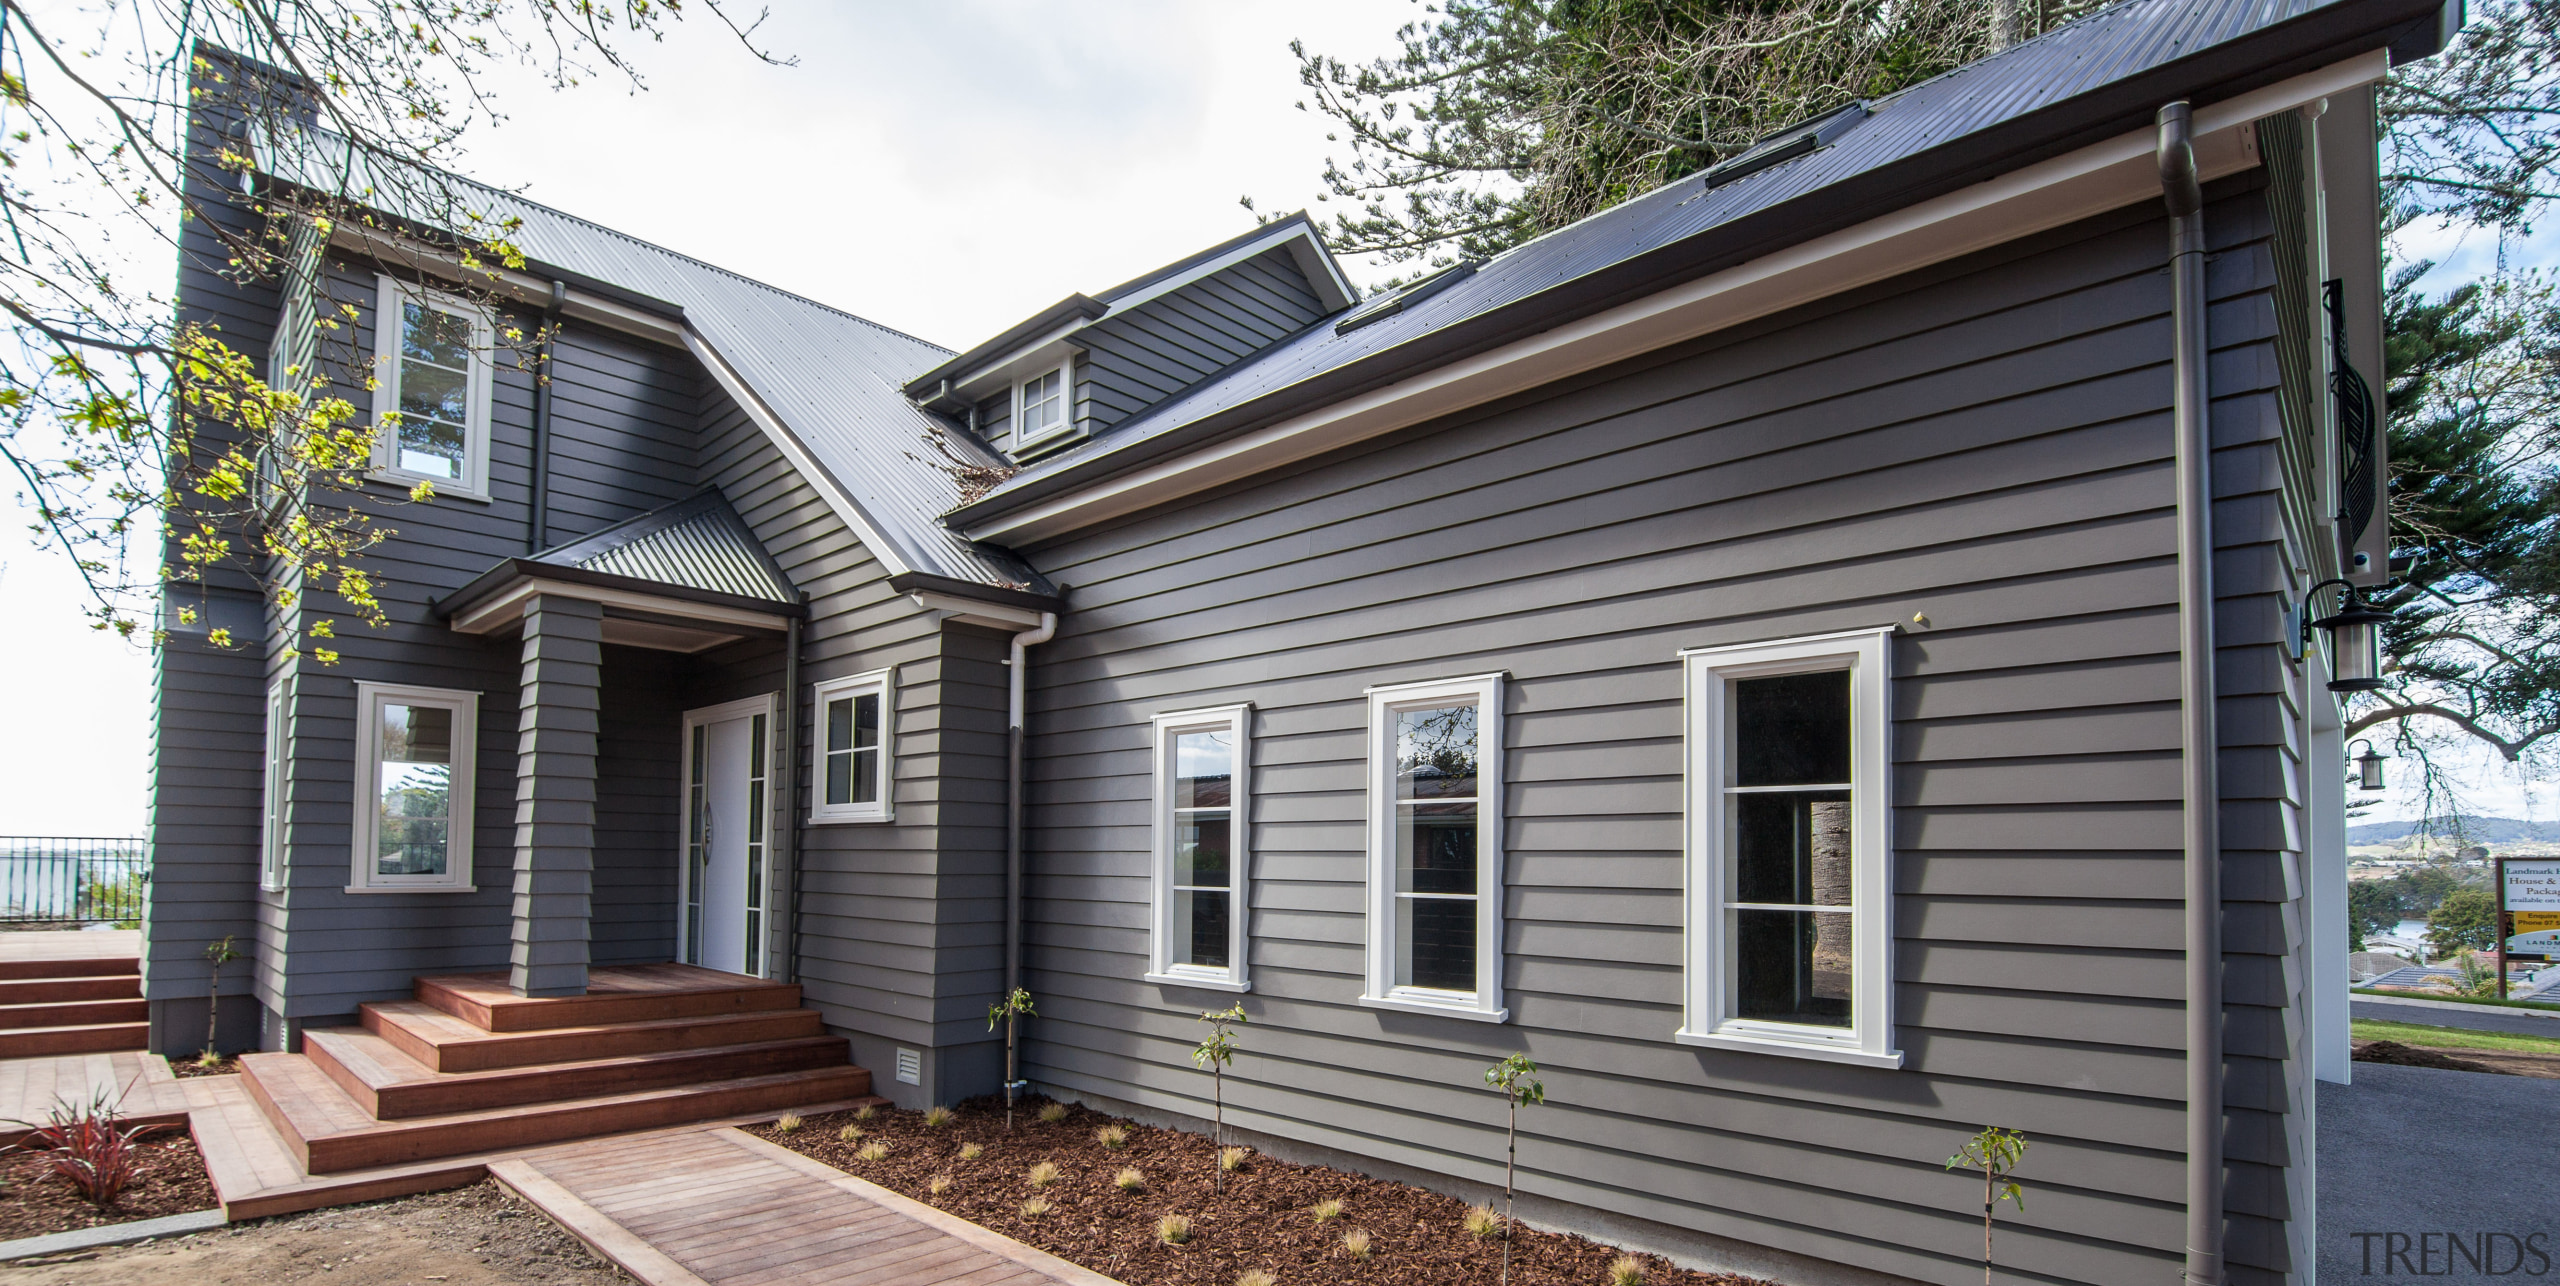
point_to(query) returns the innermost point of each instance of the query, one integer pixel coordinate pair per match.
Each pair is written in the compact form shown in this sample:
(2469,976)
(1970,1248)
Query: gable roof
(698,542)
(821,381)
(2095,78)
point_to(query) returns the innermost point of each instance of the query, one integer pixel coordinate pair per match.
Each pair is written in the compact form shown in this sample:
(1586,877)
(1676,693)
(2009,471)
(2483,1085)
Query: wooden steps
(70,1005)
(445,1043)
(648,1047)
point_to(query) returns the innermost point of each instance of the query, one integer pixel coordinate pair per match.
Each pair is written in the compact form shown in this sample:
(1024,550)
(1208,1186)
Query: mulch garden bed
(184,1068)
(169,1180)
(1263,1219)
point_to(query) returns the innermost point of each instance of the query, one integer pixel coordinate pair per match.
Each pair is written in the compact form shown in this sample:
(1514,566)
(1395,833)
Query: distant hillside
(2478,830)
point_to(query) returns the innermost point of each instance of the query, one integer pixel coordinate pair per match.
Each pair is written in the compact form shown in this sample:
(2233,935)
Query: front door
(727,818)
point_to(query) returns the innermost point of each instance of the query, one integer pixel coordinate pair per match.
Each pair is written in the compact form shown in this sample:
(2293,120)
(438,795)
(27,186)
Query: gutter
(2323,37)
(2200,830)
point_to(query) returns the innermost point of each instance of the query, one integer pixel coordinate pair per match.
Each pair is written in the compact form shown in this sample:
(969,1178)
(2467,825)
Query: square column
(555,795)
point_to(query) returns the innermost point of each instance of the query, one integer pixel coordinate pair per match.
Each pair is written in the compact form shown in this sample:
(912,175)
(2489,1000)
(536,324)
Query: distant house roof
(828,377)
(2091,79)
(697,549)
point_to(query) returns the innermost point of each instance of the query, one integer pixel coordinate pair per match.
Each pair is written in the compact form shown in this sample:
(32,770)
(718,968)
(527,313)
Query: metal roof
(698,542)
(831,377)
(1942,130)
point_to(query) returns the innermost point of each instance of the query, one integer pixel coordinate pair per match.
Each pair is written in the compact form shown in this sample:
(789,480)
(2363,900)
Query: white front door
(727,818)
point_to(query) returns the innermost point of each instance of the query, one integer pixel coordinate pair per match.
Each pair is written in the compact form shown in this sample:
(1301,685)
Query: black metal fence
(72,880)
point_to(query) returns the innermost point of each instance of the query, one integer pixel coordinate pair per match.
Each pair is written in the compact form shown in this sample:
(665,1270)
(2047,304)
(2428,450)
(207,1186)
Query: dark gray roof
(829,376)
(696,543)
(2091,79)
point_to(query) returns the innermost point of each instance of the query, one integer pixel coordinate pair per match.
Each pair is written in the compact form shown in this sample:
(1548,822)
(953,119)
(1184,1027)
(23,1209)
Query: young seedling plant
(1513,1076)
(1013,1008)
(1215,1053)
(1996,1152)
(217,954)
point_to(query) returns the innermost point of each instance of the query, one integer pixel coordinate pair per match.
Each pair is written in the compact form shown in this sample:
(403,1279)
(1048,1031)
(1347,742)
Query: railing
(72,880)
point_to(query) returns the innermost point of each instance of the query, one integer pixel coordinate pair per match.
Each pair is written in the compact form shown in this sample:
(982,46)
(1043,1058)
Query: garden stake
(1214,1054)
(1996,1151)
(1511,1077)
(1017,1005)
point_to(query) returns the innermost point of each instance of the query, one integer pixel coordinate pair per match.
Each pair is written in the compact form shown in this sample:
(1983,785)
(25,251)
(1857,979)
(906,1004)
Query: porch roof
(694,562)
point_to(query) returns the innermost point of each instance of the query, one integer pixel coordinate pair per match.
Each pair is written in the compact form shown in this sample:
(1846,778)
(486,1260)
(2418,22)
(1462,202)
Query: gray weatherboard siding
(1984,443)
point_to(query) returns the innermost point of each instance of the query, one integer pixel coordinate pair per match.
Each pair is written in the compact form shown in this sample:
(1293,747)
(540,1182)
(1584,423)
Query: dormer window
(1040,406)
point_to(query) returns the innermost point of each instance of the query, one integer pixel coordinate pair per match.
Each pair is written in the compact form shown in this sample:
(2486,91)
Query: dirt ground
(475,1236)
(2507,1062)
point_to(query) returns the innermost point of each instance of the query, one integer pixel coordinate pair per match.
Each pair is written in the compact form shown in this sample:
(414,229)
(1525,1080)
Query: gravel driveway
(2409,1154)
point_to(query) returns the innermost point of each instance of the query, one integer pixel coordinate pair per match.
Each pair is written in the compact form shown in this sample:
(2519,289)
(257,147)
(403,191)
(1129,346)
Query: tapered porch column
(555,795)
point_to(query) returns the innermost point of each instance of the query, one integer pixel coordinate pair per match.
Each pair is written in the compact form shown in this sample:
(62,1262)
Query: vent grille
(910,1067)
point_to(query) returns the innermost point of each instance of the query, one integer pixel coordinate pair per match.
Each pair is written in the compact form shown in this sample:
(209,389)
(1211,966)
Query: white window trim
(1238,721)
(1381,992)
(885,808)
(1707,1020)
(370,698)
(271,811)
(391,294)
(1065,370)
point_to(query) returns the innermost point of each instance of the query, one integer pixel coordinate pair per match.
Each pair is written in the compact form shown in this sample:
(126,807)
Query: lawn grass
(2492,1001)
(2452,1037)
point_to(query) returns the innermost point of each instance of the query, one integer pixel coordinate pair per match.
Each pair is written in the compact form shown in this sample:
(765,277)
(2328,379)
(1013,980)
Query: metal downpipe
(2200,832)
(1047,628)
(787,741)
(538,509)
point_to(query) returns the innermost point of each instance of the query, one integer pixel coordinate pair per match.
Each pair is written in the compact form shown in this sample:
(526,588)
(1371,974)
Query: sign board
(2529,892)
(2534,933)
(2533,883)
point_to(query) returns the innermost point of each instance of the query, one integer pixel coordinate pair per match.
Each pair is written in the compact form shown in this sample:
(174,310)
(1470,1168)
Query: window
(1435,848)
(854,768)
(413,788)
(1040,405)
(433,371)
(271,816)
(1789,886)
(1202,842)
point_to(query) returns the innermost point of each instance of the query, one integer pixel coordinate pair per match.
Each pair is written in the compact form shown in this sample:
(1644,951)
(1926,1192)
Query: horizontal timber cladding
(1137,358)
(1979,453)
(902,921)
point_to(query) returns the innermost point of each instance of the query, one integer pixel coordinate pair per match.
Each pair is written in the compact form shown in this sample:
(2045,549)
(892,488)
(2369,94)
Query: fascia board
(2076,185)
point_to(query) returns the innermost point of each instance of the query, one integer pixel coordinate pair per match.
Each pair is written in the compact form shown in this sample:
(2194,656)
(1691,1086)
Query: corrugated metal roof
(832,377)
(696,543)
(2094,51)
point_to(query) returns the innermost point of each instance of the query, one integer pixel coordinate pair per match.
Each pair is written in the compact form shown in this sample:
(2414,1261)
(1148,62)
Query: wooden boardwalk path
(719,1207)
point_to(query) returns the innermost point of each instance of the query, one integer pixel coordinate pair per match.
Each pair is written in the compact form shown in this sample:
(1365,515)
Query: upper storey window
(431,390)
(1040,405)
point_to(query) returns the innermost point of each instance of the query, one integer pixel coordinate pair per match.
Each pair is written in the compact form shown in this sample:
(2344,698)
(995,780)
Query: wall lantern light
(2368,766)
(2355,640)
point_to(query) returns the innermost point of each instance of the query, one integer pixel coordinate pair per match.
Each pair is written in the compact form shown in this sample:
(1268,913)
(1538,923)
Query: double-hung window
(414,757)
(1789,869)
(1041,404)
(855,758)
(432,379)
(1435,848)
(1203,767)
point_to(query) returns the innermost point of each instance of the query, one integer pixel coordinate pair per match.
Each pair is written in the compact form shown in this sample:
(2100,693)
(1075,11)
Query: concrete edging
(114,1234)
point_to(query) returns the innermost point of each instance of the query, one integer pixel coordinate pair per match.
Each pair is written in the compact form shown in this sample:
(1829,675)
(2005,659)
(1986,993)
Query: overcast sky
(945,169)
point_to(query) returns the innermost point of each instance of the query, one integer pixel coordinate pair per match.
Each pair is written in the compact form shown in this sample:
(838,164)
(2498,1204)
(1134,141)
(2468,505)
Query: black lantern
(2355,641)
(2368,766)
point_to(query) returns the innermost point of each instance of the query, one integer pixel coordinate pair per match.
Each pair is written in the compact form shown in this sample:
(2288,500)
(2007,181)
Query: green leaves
(1219,1047)
(1512,1077)
(1995,1152)
(1015,1005)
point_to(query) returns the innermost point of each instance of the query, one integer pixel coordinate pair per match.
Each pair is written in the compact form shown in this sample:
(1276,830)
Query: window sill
(1890,1060)
(1409,1005)
(1202,982)
(848,819)
(411,888)
(445,489)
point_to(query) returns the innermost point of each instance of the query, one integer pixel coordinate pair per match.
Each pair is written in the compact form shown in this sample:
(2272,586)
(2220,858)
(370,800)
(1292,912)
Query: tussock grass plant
(1326,1210)
(865,1112)
(1256,1277)
(936,1117)
(875,1150)
(1231,1160)
(1053,1113)
(1174,1230)
(941,1184)
(1112,1136)
(1626,1270)
(850,1134)
(1482,1221)
(788,1123)
(1043,1174)
(1036,1207)
(1130,1179)
(972,1151)
(1355,1242)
